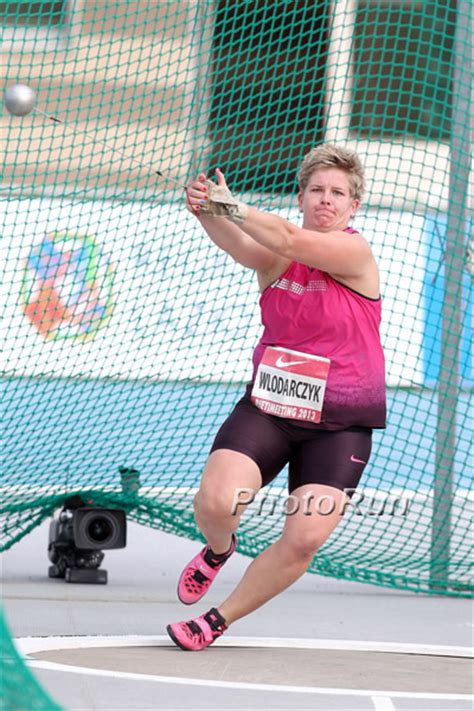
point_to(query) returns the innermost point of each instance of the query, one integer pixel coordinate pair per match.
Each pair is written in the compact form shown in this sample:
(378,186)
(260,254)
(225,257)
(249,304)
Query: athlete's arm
(229,237)
(240,246)
(335,252)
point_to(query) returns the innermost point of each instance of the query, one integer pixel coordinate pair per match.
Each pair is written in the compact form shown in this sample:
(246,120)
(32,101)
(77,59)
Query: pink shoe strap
(206,629)
(212,624)
(220,558)
(215,619)
(204,568)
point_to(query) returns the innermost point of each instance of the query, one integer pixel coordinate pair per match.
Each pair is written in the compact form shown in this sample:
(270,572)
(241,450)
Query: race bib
(291,384)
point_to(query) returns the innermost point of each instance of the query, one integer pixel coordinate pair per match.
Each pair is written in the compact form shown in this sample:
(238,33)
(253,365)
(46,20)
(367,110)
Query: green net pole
(200,22)
(454,264)
(71,30)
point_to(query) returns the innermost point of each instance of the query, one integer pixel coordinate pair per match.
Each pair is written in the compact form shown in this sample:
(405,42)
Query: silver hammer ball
(19,99)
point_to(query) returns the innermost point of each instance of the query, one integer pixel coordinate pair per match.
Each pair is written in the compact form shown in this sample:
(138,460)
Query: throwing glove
(221,203)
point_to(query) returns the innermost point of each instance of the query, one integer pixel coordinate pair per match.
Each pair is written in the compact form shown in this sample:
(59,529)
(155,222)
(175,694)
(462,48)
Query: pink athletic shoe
(198,633)
(198,575)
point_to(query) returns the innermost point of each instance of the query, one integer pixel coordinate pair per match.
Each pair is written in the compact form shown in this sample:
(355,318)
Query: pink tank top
(307,310)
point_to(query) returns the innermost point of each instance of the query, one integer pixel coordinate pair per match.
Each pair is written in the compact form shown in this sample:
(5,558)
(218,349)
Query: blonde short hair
(328,155)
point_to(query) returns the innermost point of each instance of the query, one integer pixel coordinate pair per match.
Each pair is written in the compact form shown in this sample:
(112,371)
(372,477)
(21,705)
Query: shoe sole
(176,640)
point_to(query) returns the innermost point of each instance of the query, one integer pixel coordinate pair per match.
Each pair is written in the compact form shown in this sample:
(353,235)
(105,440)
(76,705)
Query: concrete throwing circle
(294,665)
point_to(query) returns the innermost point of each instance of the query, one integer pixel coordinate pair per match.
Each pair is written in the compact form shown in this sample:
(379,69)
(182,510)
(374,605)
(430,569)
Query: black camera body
(77,538)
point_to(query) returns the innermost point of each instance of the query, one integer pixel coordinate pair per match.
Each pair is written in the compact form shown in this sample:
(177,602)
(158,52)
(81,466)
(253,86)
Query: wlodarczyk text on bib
(291,384)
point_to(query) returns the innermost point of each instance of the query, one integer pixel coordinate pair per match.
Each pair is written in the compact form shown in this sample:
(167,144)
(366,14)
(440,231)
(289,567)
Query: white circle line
(215,683)
(29,645)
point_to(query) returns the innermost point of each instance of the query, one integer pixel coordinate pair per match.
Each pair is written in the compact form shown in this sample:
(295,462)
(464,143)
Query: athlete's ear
(300,201)
(355,207)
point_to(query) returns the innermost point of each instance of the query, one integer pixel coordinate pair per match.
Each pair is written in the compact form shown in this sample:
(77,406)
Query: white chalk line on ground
(31,645)
(383,703)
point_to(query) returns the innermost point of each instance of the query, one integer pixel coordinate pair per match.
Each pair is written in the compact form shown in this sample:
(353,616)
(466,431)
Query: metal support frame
(452,321)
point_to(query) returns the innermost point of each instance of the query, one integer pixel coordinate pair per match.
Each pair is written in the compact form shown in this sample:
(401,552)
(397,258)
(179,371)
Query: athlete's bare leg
(225,473)
(287,559)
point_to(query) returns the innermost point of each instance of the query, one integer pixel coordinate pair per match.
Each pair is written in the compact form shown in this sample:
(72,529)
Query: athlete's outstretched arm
(335,252)
(226,235)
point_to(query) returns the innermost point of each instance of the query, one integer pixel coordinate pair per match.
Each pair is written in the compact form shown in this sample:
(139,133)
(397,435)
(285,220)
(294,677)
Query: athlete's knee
(214,503)
(304,545)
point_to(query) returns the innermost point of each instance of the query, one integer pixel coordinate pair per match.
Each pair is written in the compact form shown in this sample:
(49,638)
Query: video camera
(77,537)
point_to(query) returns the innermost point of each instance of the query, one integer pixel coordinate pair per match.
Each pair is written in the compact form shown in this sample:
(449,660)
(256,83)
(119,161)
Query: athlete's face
(326,202)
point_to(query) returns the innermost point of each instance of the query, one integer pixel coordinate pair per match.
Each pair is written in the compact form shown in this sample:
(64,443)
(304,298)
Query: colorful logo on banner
(67,287)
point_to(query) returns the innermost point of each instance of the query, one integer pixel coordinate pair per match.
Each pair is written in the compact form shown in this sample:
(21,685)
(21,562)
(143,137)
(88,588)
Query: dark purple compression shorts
(334,458)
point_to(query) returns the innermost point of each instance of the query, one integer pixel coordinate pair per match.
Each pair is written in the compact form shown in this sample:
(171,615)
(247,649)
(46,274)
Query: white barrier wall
(135,291)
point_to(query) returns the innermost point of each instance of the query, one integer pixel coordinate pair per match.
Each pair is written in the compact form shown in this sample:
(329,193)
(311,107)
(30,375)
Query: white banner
(134,291)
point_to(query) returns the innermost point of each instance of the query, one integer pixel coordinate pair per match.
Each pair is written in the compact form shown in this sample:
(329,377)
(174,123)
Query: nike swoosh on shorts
(359,461)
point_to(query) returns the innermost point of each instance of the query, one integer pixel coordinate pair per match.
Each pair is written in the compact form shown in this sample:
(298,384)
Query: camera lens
(99,529)
(95,529)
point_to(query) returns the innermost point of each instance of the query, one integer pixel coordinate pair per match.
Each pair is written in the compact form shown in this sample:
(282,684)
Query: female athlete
(318,385)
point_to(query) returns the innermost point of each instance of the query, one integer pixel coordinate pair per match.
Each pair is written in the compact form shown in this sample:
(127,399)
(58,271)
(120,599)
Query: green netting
(19,690)
(128,335)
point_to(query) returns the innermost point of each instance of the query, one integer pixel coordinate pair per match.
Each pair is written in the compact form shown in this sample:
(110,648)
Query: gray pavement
(325,644)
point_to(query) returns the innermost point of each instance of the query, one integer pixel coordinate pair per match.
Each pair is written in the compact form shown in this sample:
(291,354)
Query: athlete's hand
(204,197)
(197,194)
(198,191)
